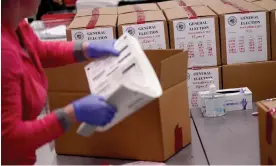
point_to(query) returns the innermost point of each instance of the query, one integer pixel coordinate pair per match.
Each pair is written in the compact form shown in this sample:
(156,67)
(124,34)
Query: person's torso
(33,82)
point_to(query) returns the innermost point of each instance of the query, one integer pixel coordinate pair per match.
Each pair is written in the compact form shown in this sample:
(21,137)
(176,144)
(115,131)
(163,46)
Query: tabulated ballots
(129,81)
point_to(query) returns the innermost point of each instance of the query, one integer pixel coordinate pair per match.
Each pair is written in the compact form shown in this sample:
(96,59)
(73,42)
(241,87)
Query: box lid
(100,11)
(172,4)
(148,16)
(266,4)
(232,6)
(99,21)
(188,12)
(138,7)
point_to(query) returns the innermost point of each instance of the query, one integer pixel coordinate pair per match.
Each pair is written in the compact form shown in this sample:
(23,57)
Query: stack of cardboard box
(196,29)
(245,46)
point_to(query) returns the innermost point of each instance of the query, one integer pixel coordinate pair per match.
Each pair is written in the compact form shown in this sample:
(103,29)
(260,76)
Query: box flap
(169,65)
(180,12)
(232,6)
(172,4)
(266,4)
(103,20)
(100,11)
(131,18)
(138,7)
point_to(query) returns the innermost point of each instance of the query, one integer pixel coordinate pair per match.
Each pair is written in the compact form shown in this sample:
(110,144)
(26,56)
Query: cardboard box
(138,8)
(270,5)
(97,11)
(199,80)
(96,27)
(258,77)
(267,131)
(195,29)
(173,4)
(149,27)
(244,29)
(154,133)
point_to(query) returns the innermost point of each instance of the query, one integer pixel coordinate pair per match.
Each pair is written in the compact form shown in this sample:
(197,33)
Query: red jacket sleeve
(17,135)
(55,53)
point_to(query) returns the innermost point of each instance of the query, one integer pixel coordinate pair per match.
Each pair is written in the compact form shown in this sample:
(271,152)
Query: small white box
(222,101)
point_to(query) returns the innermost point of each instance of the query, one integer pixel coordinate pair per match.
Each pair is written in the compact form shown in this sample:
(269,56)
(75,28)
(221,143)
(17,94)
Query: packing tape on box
(96,11)
(141,18)
(241,9)
(191,13)
(137,8)
(92,23)
(269,124)
(182,3)
(178,138)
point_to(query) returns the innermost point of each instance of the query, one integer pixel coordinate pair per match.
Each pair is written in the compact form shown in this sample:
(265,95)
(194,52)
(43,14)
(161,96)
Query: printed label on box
(199,38)
(246,37)
(199,80)
(92,34)
(150,35)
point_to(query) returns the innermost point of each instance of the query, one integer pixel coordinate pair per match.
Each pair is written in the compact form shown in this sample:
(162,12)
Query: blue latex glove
(93,110)
(97,49)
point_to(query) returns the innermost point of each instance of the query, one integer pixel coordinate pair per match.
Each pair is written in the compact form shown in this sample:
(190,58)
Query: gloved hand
(93,110)
(97,49)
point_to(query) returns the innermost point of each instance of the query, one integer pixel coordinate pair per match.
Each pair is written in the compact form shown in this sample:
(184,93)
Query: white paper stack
(128,82)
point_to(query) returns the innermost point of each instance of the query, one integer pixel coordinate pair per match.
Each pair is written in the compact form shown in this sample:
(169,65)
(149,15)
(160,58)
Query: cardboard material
(100,11)
(258,77)
(149,27)
(244,31)
(270,5)
(138,8)
(199,80)
(267,131)
(173,4)
(154,133)
(195,29)
(96,27)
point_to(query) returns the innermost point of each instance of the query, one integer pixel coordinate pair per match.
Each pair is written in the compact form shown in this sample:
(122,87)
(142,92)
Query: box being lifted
(149,27)
(96,27)
(195,29)
(244,29)
(270,5)
(173,4)
(138,8)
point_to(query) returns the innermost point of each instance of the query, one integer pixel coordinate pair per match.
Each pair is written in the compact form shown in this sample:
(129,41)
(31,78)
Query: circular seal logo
(180,26)
(188,76)
(232,20)
(79,36)
(131,31)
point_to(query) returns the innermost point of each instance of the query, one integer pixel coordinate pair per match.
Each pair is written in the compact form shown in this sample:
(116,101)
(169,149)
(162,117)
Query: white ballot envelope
(128,82)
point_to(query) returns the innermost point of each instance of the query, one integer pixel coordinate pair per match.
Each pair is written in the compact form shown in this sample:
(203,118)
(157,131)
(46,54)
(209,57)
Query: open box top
(181,12)
(166,63)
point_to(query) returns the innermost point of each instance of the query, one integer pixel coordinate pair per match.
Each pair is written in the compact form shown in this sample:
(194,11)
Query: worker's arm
(54,54)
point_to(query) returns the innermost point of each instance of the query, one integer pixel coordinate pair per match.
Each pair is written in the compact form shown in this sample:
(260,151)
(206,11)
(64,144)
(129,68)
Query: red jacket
(24,92)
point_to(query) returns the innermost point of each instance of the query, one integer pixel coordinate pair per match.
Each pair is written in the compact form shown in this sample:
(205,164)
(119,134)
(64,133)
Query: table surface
(230,139)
